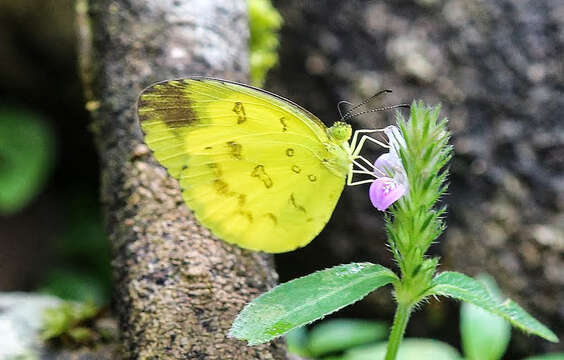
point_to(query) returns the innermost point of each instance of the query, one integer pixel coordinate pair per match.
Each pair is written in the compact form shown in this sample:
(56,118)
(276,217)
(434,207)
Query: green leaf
(462,287)
(342,334)
(485,336)
(296,340)
(410,349)
(26,156)
(301,301)
(551,356)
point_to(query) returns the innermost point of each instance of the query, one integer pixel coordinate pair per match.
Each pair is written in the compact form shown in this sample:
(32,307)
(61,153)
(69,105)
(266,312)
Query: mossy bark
(177,288)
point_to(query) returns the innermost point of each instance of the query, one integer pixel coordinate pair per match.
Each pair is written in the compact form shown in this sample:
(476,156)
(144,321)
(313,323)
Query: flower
(389,165)
(385,191)
(391,178)
(395,139)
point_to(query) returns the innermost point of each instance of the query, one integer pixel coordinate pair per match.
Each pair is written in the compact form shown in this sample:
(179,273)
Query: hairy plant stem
(401,318)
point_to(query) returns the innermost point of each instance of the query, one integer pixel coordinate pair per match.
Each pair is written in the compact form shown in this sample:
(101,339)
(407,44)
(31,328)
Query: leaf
(301,301)
(420,349)
(296,340)
(485,336)
(26,156)
(551,356)
(342,334)
(462,287)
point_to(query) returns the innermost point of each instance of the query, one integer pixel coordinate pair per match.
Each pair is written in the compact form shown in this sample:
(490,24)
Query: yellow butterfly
(258,170)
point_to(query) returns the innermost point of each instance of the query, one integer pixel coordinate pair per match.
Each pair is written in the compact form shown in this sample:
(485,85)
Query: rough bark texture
(177,287)
(497,67)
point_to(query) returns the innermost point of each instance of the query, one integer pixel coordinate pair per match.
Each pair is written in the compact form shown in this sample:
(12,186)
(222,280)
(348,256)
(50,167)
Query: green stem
(398,329)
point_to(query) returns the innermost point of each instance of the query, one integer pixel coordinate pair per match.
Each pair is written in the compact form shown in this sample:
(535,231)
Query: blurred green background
(51,235)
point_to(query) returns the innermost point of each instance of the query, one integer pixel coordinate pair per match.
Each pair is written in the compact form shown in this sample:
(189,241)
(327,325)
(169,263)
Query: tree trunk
(177,288)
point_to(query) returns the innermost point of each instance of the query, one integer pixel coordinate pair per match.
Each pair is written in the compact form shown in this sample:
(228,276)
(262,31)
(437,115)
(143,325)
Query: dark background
(497,68)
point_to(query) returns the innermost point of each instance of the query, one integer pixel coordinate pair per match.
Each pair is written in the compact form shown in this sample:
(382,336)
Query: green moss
(264,24)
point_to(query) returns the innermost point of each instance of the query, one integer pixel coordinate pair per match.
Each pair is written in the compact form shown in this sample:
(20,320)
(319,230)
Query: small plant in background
(484,336)
(332,336)
(410,180)
(264,24)
(66,319)
(73,323)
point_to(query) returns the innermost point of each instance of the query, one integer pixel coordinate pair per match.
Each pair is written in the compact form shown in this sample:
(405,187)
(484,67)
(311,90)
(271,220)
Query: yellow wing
(256,169)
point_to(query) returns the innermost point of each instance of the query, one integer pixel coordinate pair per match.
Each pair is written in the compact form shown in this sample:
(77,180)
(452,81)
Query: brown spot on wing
(235,149)
(247,214)
(239,109)
(216,169)
(295,204)
(167,102)
(260,173)
(272,217)
(283,122)
(221,187)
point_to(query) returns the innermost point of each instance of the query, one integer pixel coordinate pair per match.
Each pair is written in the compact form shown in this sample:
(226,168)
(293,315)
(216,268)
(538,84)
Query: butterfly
(256,169)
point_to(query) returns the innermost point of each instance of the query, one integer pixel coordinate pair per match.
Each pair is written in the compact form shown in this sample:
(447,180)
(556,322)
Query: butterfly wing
(256,169)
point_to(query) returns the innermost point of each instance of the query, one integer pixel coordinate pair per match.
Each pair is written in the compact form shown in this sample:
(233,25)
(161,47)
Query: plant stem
(398,329)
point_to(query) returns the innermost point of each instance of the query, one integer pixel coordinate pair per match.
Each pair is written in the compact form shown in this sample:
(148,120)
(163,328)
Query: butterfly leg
(375,170)
(363,131)
(360,182)
(358,147)
(366,162)
(363,170)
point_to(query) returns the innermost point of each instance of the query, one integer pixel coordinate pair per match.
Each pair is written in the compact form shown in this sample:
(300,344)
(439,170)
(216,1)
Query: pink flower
(388,164)
(385,191)
(391,178)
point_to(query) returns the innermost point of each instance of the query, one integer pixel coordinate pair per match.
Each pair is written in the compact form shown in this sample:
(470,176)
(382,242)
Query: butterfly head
(340,131)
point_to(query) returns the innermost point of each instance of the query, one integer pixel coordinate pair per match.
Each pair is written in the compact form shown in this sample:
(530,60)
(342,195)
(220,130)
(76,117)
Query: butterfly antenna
(382,108)
(339,107)
(385,91)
